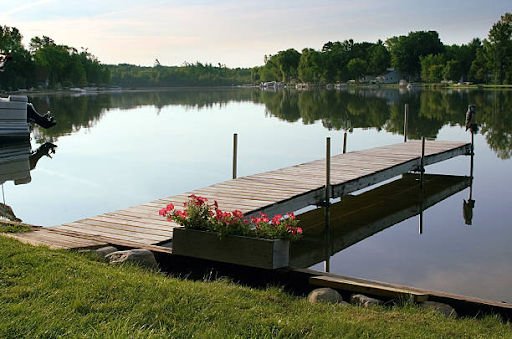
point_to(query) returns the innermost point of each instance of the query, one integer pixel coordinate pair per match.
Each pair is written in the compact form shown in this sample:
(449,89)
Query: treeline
(418,56)
(47,64)
(197,74)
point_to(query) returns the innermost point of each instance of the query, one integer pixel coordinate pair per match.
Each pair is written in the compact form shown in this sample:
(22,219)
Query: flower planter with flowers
(210,233)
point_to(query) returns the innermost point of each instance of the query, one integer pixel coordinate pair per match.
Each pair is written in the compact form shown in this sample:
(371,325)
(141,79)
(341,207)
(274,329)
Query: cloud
(25,7)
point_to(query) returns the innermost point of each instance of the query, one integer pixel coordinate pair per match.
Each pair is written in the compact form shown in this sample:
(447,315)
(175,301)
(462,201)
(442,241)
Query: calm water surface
(124,149)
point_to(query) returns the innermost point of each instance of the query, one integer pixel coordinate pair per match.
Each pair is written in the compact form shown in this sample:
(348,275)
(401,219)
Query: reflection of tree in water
(336,110)
(429,110)
(76,112)
(497,123)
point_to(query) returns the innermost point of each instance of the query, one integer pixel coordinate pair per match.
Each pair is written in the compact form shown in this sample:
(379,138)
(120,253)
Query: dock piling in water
(235,150)
(405,121)
(327,181)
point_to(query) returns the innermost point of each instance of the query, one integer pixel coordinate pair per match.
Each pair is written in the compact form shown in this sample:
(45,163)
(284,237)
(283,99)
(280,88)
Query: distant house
(368,78)
(391,76)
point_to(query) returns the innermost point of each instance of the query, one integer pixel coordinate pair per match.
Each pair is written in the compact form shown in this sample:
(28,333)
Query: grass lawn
(52,294)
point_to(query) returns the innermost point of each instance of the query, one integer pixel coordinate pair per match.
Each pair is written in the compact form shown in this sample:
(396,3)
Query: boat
(16,113)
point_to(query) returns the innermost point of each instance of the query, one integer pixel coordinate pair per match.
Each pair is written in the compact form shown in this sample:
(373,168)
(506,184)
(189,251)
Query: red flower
(276,220)
(291,216)
(181,214)
(263,218)
(237,214)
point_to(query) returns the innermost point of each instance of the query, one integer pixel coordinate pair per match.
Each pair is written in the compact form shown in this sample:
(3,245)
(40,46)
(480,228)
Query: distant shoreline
(163,89)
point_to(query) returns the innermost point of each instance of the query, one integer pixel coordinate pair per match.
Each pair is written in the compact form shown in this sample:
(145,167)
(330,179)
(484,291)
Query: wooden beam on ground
(367,288)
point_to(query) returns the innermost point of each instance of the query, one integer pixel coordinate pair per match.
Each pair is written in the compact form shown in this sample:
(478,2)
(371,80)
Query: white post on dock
(405,121)
(235,149)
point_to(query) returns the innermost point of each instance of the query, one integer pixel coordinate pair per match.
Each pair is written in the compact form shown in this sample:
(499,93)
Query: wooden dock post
(235,150)
(345,143)
(405,121)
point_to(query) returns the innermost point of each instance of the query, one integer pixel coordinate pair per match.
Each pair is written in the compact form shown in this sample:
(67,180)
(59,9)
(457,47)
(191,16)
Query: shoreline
(288,87)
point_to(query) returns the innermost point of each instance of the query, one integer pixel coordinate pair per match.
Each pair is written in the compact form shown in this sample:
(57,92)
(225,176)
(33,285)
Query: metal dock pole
(235,149)
(405,121)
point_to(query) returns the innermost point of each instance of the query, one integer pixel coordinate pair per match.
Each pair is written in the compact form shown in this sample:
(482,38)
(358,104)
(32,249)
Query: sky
(238,33)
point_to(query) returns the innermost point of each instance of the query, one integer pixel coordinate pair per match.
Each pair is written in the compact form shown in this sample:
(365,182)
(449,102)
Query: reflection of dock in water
(358,217)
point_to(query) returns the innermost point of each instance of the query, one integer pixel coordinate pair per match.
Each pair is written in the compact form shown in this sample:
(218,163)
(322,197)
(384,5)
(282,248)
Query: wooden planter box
(247,251)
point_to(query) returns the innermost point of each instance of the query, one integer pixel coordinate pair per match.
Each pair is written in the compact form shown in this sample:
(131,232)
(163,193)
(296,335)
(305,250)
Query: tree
(20,71)
(431,65)
(479,69)
(310,65)
(406,50)
(380,59)
(464,54)
(499,49)
(452,70)
(357,67)
(288,61)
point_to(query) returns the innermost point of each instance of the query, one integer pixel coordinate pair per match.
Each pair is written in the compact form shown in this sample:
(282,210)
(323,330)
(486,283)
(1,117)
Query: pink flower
(299,230)
(237,214)
(169,207)
(263,218)
(291,216)
(181,214)
(201,200)
(276,220)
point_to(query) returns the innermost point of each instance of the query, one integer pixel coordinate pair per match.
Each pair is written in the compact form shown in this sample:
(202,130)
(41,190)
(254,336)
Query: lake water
(123,149)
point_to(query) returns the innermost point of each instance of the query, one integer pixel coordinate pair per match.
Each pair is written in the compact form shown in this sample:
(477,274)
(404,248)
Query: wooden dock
(282,190)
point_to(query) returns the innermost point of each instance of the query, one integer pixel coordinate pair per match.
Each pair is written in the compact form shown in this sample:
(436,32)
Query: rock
(362,300)
(445,309)
(326,295)
(143,258)
(104,251)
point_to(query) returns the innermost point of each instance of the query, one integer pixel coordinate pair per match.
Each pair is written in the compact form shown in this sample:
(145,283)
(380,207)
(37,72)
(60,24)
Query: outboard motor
(45,121)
